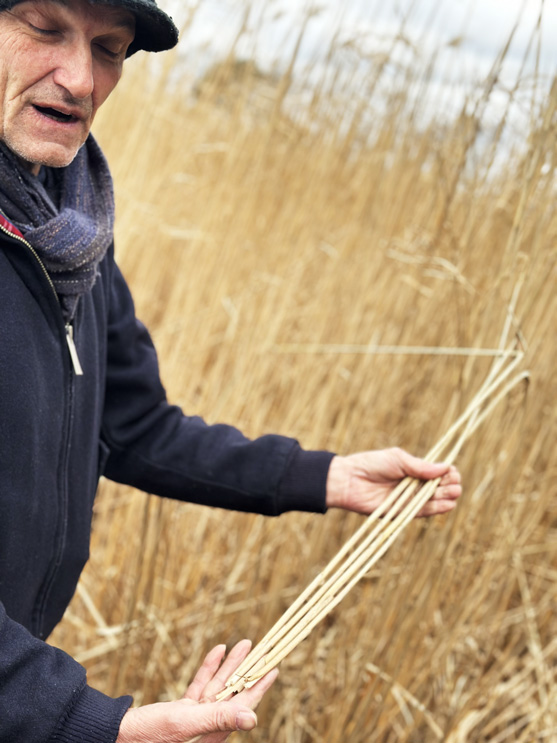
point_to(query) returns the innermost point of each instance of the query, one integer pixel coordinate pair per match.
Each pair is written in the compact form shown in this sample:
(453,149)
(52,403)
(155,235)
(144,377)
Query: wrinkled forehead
(155,31)
(106,6)
(106,12)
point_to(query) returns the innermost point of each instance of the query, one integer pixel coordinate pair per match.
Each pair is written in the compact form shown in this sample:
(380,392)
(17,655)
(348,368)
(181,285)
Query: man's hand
(197,715)
(361,482)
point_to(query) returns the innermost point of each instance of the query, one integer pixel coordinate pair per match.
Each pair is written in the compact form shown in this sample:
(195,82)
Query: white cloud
(484,25)
(467,35)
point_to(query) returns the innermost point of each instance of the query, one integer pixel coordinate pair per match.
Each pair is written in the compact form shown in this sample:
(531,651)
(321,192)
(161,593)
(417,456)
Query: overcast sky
(483,24)
(468,33)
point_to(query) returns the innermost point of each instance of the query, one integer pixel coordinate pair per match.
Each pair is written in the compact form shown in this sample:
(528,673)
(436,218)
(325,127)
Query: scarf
(70,237)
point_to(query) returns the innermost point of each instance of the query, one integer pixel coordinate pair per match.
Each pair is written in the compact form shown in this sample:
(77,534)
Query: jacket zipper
(60,544)
(69,327)
(73,351)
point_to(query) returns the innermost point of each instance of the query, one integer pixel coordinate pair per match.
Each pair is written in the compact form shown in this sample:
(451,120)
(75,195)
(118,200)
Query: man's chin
(54,160)
(53,156)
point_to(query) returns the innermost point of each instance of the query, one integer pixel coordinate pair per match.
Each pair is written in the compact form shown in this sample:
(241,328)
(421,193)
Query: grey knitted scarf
(71,237)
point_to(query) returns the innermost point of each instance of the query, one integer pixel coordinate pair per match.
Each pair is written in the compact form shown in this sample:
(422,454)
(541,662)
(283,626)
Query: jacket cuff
(304,483)
(94,718)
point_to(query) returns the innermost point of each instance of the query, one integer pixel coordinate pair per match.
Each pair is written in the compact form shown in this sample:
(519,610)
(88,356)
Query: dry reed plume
(276,256)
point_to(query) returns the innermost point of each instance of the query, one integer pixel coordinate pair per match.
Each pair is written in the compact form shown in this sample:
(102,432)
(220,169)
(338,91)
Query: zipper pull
(73,351)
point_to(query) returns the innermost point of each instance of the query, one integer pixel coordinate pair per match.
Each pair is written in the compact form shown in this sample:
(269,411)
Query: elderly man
(80,393)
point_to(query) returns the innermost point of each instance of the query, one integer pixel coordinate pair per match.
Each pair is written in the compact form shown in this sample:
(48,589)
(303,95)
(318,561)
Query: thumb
(175,722)
(422,470)
(213,717)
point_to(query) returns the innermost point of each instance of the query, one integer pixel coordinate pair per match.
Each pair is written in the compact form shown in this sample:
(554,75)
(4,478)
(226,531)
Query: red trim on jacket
(9,226)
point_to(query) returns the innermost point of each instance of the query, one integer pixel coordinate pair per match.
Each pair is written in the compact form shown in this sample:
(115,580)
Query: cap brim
(155,31)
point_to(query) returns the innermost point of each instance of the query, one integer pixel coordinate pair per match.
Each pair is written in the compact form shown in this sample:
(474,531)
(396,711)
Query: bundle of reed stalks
(378,532)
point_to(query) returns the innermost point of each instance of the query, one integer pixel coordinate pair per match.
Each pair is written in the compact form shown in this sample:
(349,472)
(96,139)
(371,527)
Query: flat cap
(155,30)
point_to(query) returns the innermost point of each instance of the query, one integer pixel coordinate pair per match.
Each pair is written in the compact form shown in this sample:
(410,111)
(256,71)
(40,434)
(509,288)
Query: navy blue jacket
(58,433)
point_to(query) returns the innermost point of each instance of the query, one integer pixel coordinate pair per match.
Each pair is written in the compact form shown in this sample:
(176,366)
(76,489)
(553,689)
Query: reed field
(299,249)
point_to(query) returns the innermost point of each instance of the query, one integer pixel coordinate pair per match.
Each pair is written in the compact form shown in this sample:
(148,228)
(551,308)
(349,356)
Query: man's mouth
(55,114)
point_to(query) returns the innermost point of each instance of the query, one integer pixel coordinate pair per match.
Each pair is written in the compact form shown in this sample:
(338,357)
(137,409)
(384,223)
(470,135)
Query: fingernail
(246,720)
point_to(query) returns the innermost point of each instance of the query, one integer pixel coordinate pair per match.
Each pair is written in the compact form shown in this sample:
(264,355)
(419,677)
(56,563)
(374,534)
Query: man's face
(59,62)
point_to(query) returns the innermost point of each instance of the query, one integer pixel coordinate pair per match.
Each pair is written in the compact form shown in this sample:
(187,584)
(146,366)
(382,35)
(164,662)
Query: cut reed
(377,534)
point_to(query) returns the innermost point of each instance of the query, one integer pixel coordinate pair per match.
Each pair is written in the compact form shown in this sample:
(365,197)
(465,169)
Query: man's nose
(74,70)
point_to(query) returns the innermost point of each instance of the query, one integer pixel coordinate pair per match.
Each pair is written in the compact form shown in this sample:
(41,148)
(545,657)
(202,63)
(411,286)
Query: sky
(467,34)
(483,24)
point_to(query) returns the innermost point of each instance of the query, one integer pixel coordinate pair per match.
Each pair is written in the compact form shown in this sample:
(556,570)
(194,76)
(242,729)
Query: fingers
(250,697)
(450,483)
(452,492)
(450,487)
(212,676)
(221,676)
(419,468)
(254,695)
(204,675)
(245,718)
(445,497)
(194,715)
(452,477)
(437,507)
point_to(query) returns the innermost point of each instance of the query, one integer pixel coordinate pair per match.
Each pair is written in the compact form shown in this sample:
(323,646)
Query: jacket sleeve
(155,447)
(44,695)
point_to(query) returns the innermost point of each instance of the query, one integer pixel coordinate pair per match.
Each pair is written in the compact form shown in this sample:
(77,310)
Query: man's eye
(109,52)
(43,31)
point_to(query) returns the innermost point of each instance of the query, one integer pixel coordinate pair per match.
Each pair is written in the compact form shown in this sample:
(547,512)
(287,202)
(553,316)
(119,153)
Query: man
(80,393)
